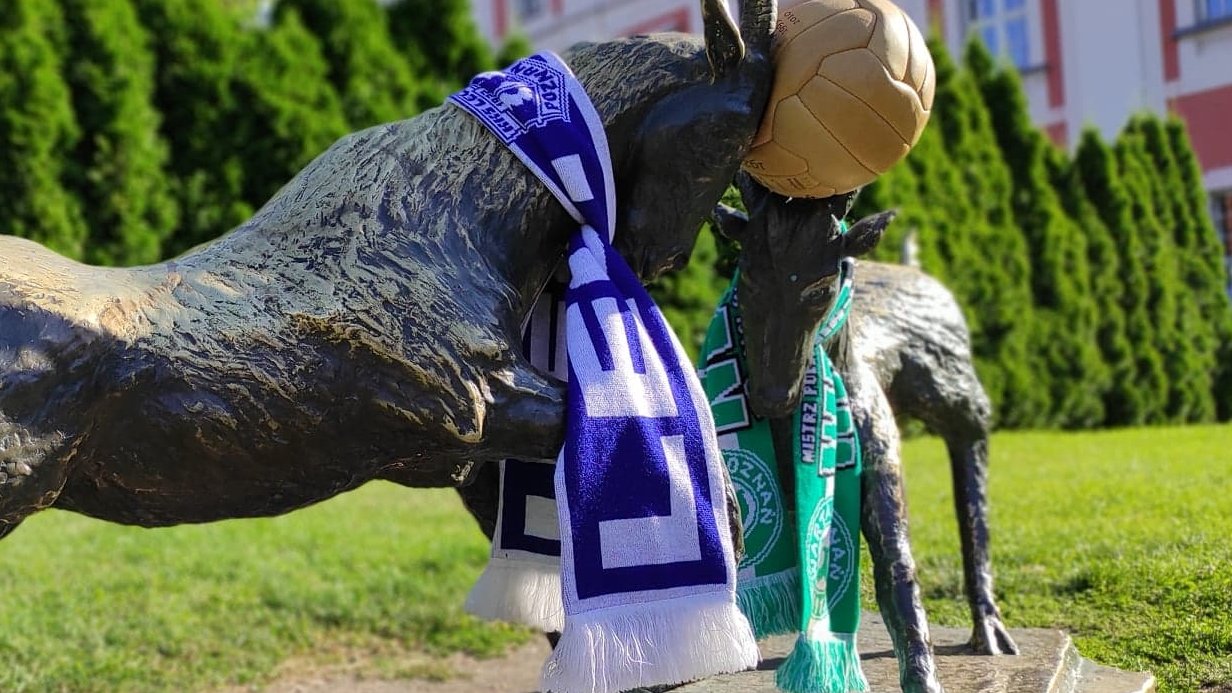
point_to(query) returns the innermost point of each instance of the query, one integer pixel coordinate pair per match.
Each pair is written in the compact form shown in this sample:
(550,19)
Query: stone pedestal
(1048,663)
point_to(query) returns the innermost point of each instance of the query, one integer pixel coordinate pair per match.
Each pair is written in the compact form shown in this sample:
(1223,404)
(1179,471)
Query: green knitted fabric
(807,580)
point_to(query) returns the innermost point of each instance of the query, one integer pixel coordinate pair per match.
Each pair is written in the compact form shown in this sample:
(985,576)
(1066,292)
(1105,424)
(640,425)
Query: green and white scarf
(808,581)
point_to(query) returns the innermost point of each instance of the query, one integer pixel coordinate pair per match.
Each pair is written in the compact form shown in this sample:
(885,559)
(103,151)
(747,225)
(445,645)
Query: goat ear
(724,47)
(729,221)
(866,234)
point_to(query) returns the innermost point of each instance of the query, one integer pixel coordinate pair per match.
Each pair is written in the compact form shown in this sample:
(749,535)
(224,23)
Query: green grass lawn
(89,606)
(1123,538)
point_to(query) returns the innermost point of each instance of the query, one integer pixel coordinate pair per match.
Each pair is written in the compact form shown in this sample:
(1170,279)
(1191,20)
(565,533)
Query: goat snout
(773,401)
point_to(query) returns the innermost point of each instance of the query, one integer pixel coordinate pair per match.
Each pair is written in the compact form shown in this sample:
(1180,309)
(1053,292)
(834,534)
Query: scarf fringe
(629,646)
(771,602)
(517,591)
(829,665)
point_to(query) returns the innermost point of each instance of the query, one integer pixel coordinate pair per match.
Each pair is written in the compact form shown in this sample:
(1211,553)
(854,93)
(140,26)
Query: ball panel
(917,65)
(772,159)
(863,76)
(853,87)
(928,90)
(829,161)
(793,21)
(890,39)
(797,59)
(795,186)
(862,132)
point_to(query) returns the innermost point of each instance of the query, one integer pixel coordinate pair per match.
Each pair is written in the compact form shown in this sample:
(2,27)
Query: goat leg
(884,522)
(969,465)
(961,414)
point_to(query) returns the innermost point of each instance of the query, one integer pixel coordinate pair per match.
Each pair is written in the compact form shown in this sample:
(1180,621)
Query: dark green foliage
(1065,314)
(1113,199)
(1202,263)
(38,132)
(197,46)
(440,42)
(986,258)
(290,112)
(373,78)
(117,171)
(1121,393)
(688,297)
(244,109)
(897,189)
(1190,342)
(1153,219)
(954,194)
(939,215)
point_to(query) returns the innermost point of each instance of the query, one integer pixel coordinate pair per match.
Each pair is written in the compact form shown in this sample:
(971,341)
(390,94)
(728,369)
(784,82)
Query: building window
(530,10)
(1221,214)
(1004,27)
(1211,10)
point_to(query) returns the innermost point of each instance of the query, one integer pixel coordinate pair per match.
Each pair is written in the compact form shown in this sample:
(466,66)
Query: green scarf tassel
(806,581)
(822,666)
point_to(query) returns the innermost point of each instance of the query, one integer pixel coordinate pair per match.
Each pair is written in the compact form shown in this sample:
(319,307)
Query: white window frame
(1030,11)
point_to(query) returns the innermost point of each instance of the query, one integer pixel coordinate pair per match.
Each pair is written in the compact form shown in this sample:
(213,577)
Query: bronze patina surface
(905,350)
(365,322)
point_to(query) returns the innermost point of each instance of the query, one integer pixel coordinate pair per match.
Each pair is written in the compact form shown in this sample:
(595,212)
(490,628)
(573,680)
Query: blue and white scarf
(647,570)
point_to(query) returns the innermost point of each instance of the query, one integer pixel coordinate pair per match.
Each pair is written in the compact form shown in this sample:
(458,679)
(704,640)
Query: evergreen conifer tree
(290,111)
(373,78)
(38,131)
(1153,222)
(898,190)
(688,297)
(197,46)
(1065,332)
(118,165)
(987,263)
(1194,398)
(944,221)
(1205,273)
(440,40)
(1122,396)
(1101,178)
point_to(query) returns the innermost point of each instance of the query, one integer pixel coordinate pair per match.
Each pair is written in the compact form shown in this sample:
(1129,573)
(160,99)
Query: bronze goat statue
(910,332)
(364,324)
(906,350)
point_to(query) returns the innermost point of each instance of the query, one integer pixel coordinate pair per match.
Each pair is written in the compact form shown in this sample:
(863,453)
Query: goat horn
(724,47)
(757,19)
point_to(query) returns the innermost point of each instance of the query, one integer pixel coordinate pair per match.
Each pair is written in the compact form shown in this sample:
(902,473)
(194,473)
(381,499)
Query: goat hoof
(991,637)
(929,684)
(918,672)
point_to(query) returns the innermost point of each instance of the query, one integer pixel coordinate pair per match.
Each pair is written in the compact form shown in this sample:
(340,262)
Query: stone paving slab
(1048,663)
